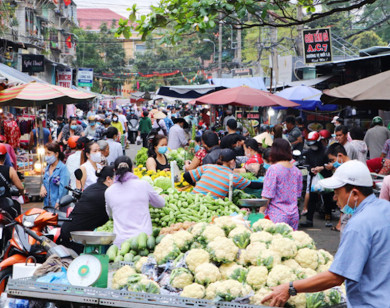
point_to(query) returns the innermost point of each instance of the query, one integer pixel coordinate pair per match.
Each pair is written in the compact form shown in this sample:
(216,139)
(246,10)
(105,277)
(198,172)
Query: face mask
(50,159)
(314,147)
(96,157)
(74,127)
(266,166)
(197,148)
(162,150)
(92,123)
(115,119)
(272,137)
(347,209)
(337,164)
(248,155)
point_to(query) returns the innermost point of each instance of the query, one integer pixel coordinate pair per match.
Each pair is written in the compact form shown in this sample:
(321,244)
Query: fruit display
(227,260)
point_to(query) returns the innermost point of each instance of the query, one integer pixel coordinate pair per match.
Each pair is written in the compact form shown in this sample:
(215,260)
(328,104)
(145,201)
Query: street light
(207,40)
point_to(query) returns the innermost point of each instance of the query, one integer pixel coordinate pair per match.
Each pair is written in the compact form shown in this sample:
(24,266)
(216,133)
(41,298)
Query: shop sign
(85,77)
(317,45)
(65,77)
(33,63)
(249,115)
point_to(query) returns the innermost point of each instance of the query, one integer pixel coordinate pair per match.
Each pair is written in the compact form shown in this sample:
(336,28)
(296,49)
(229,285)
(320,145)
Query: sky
(118,6)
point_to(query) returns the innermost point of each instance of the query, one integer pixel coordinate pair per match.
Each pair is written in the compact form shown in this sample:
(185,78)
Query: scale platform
(254,205)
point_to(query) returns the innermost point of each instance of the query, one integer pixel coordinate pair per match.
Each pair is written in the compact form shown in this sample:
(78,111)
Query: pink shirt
(128,204)
(385,190)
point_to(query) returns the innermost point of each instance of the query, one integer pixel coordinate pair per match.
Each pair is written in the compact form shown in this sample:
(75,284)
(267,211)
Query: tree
(367,39)
(180,17)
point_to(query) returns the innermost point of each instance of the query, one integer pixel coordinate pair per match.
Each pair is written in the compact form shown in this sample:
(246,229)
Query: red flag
(67,2)
(68,41)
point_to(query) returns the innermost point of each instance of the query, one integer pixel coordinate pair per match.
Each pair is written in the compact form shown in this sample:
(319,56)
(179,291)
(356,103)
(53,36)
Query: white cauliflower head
(207,273)
(241,259)
(262,224)
(291,263)
(324,267)
(196,257)
(166,250)
(211,232)
(198,228)
(211,290)
(269,258)
(257,277)
(240,236)
(181,277)
(182,239)
(307,258)
(305,273)
(259,296)
(193,290)
(227,223)
(228,290)
(253,252)
(140,263)
(284,246)
(222,249)
(302,239)
(119,280)
(261,236)
(280,228)
(227,269)
(298,301)
(280,274)
(328,258)
(240,229)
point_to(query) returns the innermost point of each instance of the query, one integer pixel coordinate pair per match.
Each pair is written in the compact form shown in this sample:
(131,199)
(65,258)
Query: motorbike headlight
(29,221)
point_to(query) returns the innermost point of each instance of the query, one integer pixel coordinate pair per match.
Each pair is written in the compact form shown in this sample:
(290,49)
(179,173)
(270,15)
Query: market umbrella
(308,98)
(371,92)
(35,94)
(243,96)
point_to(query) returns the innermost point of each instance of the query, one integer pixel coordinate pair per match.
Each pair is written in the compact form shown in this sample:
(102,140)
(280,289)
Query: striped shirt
(214,179)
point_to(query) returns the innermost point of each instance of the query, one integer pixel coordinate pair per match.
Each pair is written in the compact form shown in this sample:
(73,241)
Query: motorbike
(28,240)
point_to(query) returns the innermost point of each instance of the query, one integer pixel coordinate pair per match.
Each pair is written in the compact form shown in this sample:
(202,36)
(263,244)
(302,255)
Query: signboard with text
(317,45)
(65,77)
(85,77)
(33,63)
(248,115)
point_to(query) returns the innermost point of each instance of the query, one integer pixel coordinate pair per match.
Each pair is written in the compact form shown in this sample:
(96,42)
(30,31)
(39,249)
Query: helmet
(3,149)
(313,137)
(72,141)
(325,134)
(377,121)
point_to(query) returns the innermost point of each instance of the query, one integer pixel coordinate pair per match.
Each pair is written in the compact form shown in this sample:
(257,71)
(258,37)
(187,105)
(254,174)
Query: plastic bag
(58,277)
(138,140)
(316,186)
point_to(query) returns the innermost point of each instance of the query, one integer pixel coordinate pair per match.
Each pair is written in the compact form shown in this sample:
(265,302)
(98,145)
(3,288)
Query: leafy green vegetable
(249,176)
(163,182)
(141,157)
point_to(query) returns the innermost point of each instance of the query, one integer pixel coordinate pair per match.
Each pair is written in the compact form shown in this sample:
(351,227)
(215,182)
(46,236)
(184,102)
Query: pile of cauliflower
(227,260)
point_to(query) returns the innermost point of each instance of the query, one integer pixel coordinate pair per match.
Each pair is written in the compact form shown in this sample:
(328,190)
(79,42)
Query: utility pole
(239,50)
(299,41)
(274,55)
(220,47)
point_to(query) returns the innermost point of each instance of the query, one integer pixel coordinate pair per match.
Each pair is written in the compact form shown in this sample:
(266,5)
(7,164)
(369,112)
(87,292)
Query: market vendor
(157,148)
(252,152)
(90,211)
(70,129)
(127,202)
(362,257)
(56,176)
(214,179)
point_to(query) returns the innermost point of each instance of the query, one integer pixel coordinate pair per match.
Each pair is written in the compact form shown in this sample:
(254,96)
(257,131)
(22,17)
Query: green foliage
(367,39)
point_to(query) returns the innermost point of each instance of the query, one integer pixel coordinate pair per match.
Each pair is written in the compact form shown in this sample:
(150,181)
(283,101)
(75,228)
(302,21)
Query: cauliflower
(227,269)
(193,290)
(239,274)
(226,223)
(324,267)
(140,283)
(261,236)
(242,257)
(269,259)
(305,273)
(307,258)
(280,274)
(280,228)
(240,236)
(298,301)
(227,290)
(207,273)
(166,250)
(196,257)
(259,295)
(257,276)
(328,258)
(222,249)
(140,263)
(262,224)
(182,239)
(253,252)
(302,240)
(291,263)
(119,280)
(210,233)
(181,277)
(198,228)
(284,246)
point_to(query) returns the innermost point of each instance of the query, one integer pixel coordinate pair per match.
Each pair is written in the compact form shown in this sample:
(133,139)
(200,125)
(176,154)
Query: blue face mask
(336,164)
(92,123)
(162,150)
(50,159)
(266,166)
(272,137)
(73,127)
(347,209)
(197,148)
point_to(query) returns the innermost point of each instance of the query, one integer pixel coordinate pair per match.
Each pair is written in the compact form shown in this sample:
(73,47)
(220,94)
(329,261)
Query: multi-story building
(36,36)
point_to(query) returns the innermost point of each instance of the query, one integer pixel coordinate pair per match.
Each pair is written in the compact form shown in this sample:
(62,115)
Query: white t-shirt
(73,163)
(123,120)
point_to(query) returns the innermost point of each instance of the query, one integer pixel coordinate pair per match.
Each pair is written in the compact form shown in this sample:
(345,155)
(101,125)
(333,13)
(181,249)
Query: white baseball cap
(352,172)
(335,118)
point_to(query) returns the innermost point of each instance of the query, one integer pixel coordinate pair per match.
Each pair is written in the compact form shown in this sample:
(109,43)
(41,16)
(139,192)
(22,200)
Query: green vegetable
(112,251)
(128,257)
(159,238)
(163,182)
(315,300)
(141,157)
(249,176)
(118,258)
(239,274)
(136,258)
(125,247)
(142,240)
(151,243)
(134,244)
(144,252)
(156,232)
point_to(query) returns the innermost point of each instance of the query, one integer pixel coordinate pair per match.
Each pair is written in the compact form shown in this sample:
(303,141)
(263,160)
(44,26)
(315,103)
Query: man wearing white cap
(362,259)
(337,121)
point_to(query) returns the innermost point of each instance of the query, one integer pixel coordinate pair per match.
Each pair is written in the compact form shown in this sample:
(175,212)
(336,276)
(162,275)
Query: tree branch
(368,28)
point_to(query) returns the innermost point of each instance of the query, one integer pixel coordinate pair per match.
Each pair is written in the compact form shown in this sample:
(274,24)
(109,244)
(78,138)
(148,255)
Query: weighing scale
(91,267)
(254,205)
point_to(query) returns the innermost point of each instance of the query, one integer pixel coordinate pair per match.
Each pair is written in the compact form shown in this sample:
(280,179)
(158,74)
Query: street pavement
(323,236)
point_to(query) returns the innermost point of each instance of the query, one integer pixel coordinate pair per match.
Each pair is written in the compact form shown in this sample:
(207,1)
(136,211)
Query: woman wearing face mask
(92,158)
(90,211)
(117,124)
(214,179)
(157,160)
(56,176)
(90,131)
(252,152)
(71,129)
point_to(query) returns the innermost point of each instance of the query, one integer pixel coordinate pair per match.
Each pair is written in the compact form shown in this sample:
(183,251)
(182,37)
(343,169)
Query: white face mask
(96,157)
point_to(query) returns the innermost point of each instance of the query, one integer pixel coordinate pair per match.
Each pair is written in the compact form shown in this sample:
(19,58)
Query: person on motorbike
(90,131)
(56,176)
(90,211)
(71,129)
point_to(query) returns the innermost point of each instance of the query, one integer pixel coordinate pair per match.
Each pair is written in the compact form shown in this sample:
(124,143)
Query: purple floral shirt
(283,186)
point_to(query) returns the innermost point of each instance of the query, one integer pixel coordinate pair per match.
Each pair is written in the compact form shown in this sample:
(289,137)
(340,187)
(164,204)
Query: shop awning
(187,92)
(252,82)
(16,77)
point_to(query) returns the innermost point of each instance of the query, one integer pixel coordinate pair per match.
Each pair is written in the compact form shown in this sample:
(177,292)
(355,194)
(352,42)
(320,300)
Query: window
(141,48)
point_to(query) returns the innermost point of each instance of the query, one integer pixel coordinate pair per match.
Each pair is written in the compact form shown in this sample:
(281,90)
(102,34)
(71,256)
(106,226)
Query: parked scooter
(28,240)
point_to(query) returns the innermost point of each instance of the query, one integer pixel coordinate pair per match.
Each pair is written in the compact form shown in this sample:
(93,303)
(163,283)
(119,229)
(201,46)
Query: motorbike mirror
(296,153)
(78,174)
(66,200)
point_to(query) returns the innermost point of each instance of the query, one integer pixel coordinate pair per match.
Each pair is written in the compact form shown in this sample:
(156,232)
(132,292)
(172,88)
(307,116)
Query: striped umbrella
(35,94)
